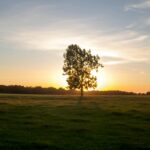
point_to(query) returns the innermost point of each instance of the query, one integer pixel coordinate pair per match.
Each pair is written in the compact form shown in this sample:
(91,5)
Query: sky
(35,33)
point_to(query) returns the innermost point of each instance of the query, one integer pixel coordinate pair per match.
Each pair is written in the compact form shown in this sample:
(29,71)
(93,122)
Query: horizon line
(65,88)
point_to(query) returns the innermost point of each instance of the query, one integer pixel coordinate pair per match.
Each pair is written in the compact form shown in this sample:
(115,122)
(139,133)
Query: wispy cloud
(147,21)
(107,60)
(144,4)
(139,38)
(131,26)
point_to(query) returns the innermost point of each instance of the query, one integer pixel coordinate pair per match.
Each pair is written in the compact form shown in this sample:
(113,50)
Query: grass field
(61,123)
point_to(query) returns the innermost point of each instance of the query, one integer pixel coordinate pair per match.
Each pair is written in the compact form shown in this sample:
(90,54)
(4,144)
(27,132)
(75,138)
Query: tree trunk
(82,91)
(82,94)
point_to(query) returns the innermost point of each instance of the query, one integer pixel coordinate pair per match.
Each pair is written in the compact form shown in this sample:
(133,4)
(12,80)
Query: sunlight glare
(101,78)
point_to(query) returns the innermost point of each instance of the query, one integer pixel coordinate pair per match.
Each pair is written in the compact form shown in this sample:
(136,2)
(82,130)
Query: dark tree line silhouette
(148,93)
(18,89)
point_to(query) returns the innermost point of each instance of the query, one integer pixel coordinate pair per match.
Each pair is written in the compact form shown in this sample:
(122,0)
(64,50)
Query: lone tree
(78,64)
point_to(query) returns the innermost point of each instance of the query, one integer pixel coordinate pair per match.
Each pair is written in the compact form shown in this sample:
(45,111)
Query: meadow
(62,123)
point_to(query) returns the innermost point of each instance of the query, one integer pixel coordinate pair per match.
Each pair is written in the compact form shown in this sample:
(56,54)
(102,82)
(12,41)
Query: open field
(61,123)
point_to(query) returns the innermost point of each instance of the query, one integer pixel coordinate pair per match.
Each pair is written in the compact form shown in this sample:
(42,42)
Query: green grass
(61,123)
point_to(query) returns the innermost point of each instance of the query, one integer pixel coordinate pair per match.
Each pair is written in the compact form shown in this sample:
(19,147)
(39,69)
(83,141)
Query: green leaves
(78,64)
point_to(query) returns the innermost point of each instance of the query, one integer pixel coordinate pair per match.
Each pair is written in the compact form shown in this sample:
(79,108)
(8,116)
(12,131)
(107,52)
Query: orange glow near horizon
(106,80)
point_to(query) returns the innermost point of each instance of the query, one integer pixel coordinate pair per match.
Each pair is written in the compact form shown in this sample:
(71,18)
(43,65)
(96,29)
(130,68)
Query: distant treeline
(18,89)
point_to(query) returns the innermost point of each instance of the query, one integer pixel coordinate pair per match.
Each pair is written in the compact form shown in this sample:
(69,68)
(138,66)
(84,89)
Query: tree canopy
(78,65)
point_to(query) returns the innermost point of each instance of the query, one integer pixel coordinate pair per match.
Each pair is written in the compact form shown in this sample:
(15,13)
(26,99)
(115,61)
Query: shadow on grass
(32,146)
(132,147)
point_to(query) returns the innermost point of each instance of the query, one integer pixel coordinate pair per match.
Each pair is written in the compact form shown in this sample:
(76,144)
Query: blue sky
(35,33)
